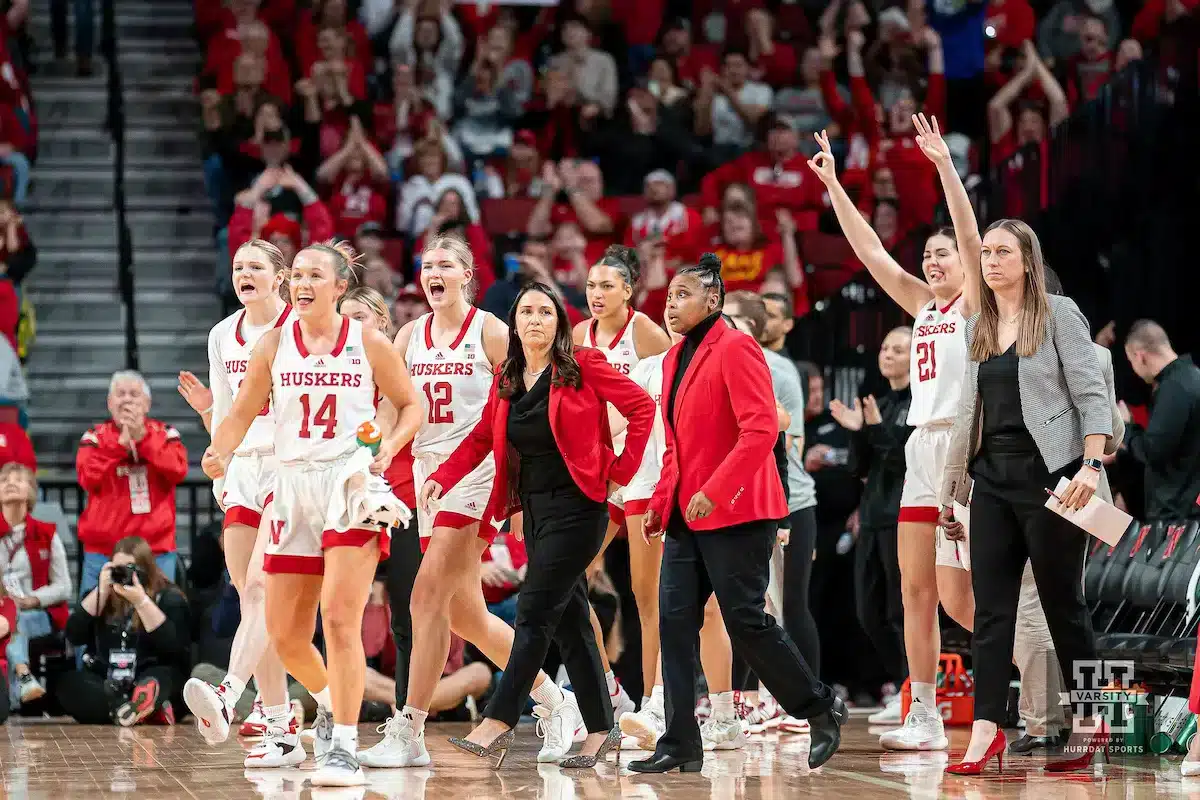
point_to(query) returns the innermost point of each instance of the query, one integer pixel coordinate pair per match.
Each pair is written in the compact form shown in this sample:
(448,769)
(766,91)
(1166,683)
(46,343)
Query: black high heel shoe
(583,762)
(499,745)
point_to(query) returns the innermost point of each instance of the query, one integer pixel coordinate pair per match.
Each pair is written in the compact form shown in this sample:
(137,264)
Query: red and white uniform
(622,354)
(937,367)
(325,495)
(634,499)
(453,383)
(250,477)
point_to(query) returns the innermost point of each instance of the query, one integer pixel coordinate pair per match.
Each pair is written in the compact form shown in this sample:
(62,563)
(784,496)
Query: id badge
(122,665)
(139,490)
(12,585)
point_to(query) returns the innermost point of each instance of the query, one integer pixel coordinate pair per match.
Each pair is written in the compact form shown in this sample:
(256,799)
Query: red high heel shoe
(996,748)
(1098,742)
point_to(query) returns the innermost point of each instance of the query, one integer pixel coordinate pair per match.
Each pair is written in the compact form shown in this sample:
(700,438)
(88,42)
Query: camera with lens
(123,574)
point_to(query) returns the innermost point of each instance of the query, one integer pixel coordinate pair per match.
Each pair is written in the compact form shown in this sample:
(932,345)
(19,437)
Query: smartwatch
(1093,463)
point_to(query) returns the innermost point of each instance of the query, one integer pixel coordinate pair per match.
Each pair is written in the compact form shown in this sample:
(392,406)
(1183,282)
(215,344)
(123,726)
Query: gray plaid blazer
(1063,399)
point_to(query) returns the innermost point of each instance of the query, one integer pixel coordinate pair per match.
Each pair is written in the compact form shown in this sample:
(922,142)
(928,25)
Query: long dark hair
(562,350)
(154,580)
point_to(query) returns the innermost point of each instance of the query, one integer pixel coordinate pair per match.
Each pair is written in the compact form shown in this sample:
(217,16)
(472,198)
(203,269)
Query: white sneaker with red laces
(767,714)
(255,723)
(790,724)
(280,747)
(211,708)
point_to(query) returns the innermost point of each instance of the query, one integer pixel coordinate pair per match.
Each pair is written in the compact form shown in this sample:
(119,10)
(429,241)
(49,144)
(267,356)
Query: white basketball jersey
(649,375)
(231,342)
(320,400)
(622,354)
(937,363)
(453,382)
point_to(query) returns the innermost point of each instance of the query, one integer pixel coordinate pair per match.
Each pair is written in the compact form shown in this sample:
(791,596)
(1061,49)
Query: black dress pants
(1009,525)
(564,531)
(878,599)
(403,563)
(733,563)
(83,695)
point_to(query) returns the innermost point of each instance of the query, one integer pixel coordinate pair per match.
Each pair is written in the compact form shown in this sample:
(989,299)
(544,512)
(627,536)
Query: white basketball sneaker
(400,747)
(339,767)
(723,734)
(890,715)
(211,708)
(559,728)
(280,747)
(922,730)
(643,728)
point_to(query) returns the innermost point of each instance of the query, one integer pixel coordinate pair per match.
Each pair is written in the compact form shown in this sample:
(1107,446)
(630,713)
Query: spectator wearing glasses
(33,562)
(129,467)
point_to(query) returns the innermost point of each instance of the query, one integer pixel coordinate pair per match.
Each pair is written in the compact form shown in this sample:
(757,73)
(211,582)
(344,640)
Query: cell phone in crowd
(512,265)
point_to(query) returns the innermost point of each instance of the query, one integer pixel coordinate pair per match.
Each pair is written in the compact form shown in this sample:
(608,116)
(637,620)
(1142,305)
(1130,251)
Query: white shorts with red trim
(461,507)
(246,489)
(327,504)
(634,499)
(925,456)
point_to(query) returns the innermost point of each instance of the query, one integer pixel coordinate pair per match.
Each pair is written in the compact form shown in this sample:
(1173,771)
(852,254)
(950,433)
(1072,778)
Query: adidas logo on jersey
(320,362)
(438,356)
(471,505)
(929,318)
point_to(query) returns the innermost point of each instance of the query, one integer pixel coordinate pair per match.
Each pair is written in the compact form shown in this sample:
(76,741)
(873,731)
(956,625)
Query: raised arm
(908,291)
(962,213)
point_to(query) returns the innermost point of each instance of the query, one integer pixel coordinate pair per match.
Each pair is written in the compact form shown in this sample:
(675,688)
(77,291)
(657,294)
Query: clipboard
(1098,518)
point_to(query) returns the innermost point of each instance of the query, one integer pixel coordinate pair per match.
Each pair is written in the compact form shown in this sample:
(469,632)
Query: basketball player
(332,508)
(626,337)
(931,566)
(259,270)
(451,353)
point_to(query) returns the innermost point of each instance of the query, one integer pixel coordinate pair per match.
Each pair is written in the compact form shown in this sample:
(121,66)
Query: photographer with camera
(135,626)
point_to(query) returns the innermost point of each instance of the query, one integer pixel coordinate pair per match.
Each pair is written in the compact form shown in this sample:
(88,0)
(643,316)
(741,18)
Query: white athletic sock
(279,715)
(722,705)
(232,689)
(346,737)
(657,698)
(417,716)
(924,693)
(548,695)
(323,699)
(612,682)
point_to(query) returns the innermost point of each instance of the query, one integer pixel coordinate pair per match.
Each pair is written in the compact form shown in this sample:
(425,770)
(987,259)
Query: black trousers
(564,531)
(798,618)
(733,564)
(403,563)
(1009,524)
(83,696)
(877,597)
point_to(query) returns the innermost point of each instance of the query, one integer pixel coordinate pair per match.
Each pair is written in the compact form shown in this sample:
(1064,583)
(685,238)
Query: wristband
(206,411)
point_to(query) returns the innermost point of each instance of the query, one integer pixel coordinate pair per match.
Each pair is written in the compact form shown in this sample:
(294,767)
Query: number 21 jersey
(320,400)
(453,382)
(937,362)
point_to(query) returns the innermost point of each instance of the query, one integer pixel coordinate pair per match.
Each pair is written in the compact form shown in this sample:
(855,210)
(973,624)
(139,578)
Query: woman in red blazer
(718,501)
(548,407)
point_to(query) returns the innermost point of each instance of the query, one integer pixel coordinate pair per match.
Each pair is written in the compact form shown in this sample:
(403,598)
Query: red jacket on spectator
(353,204)
(307,52)
(128,495)
(1013,20)
(10,311)
(224,50)
(699,57)
(39,537)
(1149,20)
(13,132)
(8,610)
(317,224)
(15,446)
(789,185)
(596,243)
(681,227)
(1086,78)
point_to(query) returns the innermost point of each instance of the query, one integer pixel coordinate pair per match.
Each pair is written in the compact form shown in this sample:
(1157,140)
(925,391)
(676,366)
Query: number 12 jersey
(937,362)
(453,382)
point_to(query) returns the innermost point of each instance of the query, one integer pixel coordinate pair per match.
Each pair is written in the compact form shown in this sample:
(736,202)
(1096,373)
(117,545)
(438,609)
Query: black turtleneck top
(691,341)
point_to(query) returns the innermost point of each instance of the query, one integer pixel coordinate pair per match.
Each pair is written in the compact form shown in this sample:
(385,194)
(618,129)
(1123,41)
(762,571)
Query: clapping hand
(871,413)
(849,417)
(213,464)
(197,395)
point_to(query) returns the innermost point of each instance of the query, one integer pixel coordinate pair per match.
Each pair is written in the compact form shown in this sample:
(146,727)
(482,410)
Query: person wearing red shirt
(252,214)
(1011,22)
(8,624)
(778,175)
(1090,68)
(356,172)
(255,39)
(597,216)
(680,227)
(747,256)
(129,467)
(15,446)
(718,501)
(690,59)
(772,62)
(331,15)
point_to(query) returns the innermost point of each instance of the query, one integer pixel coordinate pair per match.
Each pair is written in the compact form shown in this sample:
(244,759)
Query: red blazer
(579,421)
(723,436)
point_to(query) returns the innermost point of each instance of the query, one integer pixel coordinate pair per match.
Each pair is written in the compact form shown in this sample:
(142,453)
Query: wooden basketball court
(64,762)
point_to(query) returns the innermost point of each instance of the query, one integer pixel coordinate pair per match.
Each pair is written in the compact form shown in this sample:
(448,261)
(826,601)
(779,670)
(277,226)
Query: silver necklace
(530,374)
(1014,319)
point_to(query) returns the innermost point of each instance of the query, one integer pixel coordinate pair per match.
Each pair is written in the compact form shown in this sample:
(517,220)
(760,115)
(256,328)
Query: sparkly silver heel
(499,746)
(583,762)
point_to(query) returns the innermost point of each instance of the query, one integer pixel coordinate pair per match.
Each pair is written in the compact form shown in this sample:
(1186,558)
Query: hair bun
(626,257)
(710,262)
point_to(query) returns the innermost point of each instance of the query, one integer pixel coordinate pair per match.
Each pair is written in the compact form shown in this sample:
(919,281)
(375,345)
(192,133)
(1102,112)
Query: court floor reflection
(69,762)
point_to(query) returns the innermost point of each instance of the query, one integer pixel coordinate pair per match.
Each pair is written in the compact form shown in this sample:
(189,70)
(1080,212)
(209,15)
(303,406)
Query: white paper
(1100,519)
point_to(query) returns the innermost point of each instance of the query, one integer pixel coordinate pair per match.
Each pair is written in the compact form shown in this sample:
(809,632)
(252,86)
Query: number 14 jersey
(453,382)
(937,362)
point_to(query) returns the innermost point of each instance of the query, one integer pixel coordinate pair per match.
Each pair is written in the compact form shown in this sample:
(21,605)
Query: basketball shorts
(460,507)
(925,456)
(634,499)
(244,491)
(329,504)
